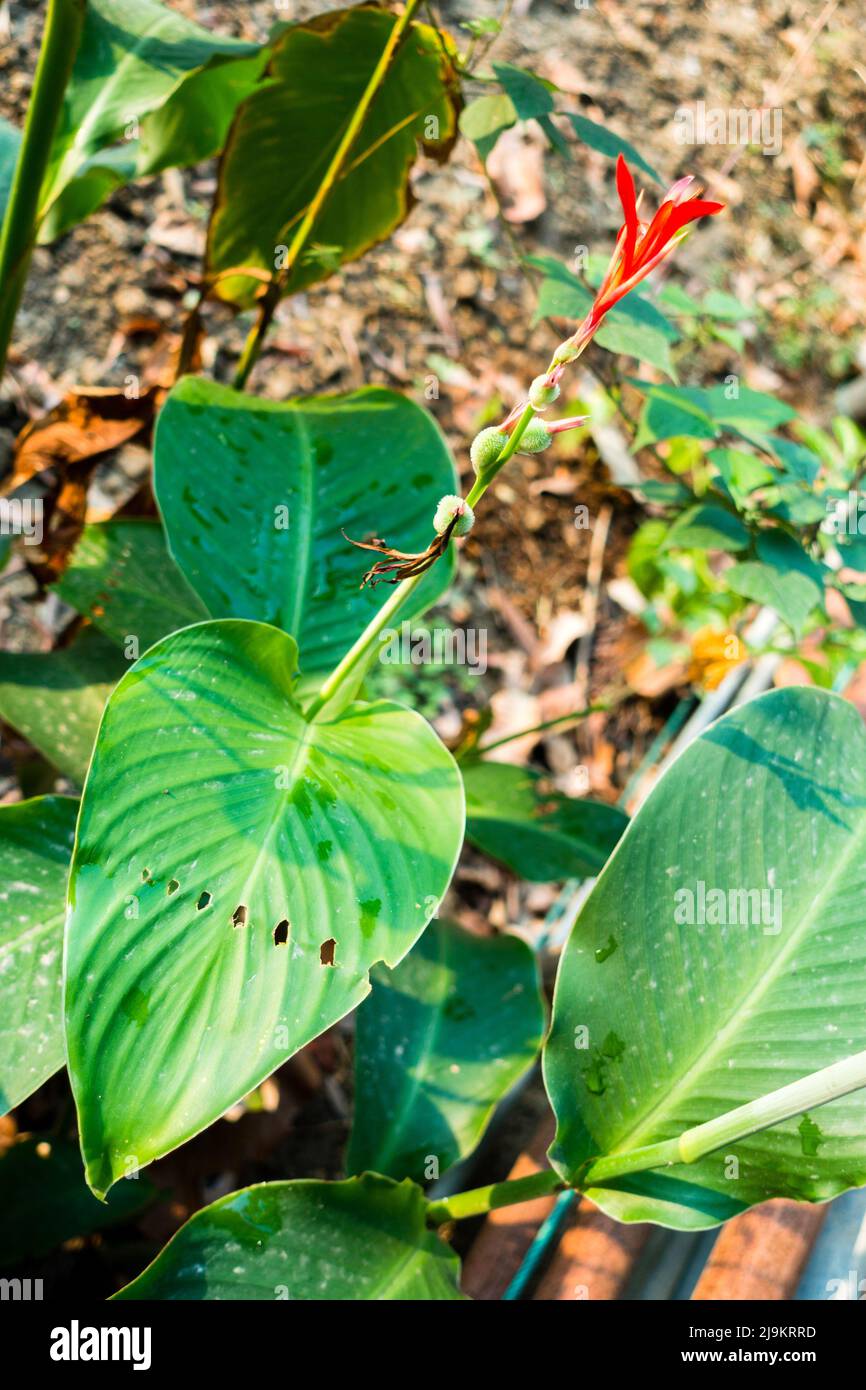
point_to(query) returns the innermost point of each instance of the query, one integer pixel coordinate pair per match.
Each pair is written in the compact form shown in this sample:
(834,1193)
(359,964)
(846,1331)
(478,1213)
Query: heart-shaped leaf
(35,847)
(720,956)
(237,871)
(123,579)
(344,1241)
(539,833)
(438,1043)
(285,136)
(55,699)
(371,463)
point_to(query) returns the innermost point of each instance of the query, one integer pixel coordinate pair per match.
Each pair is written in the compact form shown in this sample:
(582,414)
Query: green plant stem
(60,39)
(253,345)
(809,1093)
(356,660)
(480,1200)
(560,719)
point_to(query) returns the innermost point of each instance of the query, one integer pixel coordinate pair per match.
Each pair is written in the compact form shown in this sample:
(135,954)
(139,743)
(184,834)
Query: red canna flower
(640,247)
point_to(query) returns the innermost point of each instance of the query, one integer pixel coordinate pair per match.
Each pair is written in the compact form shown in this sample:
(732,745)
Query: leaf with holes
(720,956)
(439,1042)
(236,873)
(285,136)
(55,699)
(539,833)
(123,579)
(35,845)
(358,1240)
(298,474)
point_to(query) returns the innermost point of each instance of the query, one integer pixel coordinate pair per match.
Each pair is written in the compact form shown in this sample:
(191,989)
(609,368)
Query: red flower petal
(625,189)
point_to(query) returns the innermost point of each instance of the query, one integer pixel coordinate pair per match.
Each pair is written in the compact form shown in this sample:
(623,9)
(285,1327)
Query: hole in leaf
(173,886)
(327,951)
(239,916)
(205,900)
(281,932)
(145,875)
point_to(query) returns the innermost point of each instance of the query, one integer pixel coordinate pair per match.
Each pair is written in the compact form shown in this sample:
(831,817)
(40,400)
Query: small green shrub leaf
(438,1043)
(35,846)
(298,474)
(598,137)
(343,1241)
(720,956)
(707,527)
(537,831)
(237,871)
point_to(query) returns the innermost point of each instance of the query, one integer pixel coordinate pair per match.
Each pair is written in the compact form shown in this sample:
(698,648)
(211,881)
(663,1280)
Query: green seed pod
(486,447)
(535,437)
(445,512)
(542,393)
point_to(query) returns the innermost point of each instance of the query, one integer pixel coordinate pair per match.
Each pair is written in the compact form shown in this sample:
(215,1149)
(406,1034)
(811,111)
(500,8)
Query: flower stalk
(798,1098)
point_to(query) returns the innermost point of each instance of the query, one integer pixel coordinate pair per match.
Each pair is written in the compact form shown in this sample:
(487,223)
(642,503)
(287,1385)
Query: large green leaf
(287,132)
(55,699)
(45,1200)
(123,579)
(438,1043)
(661,1023)
(539,833)
(149,88)
(236,873)
(297,475)
(344,1241)
(35,845)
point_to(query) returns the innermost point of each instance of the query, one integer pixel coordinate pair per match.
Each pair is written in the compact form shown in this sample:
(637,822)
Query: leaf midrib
(648,1123)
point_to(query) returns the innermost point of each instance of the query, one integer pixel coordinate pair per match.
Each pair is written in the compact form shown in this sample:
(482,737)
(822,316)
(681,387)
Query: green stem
(357,658)
(540,728)
(809,1093)
(801,1096)
(255,338)
(60,38)
(480,1200)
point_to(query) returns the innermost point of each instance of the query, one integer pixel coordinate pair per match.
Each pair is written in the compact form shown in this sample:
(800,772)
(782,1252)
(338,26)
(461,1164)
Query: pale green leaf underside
(362,1240)
(207,780)
(439,1042)
(255,495)
(35,847)
(686,1021)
